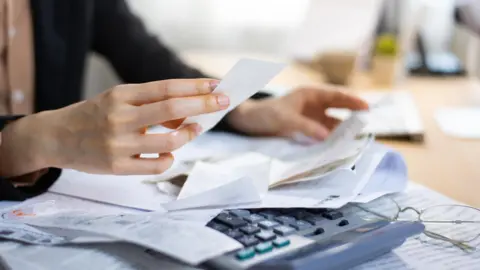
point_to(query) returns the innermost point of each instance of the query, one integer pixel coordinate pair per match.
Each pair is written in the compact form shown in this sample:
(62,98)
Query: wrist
(20,147)
(238,115)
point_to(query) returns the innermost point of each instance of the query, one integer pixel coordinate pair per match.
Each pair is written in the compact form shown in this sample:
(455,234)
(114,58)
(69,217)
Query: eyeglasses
(441,222)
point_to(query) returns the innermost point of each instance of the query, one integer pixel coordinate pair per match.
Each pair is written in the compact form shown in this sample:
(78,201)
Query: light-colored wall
(215,25)
(265,26)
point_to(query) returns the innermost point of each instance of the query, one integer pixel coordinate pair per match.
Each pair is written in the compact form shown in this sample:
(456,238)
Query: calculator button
(314,220)
(234,234)
(265,235)
(343,223)
(240,212)
(231,221)
(248,241)
(301,225)
(245,254)
(315,232)
(250,229)
(332,215)
(217,226)
(287,211)
(254,218)
(264,247)
(301,214)
(268,224)
(285,220)
(317,210)
(281,242)
(268,214)
(283,230)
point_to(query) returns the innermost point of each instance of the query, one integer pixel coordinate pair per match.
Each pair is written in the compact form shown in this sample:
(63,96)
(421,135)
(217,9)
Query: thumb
(304,127)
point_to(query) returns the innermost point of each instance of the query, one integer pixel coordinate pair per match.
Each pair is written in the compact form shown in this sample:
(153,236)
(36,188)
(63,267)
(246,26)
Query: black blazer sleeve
(135,55)
(10,193)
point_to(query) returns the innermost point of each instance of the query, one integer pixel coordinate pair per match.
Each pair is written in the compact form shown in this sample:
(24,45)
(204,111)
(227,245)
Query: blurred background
(332,37)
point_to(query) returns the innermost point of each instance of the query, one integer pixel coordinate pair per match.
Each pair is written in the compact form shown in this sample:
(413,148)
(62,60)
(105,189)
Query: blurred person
(46,126)
(468,13)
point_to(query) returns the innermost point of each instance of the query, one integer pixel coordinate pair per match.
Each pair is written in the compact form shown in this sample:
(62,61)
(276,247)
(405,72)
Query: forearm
(23,171)
(226,126)
(21,140)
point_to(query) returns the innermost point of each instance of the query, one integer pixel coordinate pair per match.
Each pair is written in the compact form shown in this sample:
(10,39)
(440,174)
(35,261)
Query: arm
(29,182)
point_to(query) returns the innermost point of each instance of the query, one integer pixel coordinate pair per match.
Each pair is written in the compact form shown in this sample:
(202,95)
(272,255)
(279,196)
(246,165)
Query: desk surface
(448,165)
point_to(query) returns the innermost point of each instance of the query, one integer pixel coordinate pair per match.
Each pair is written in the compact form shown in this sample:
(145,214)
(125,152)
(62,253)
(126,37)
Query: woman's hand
(105,134)
(300,115)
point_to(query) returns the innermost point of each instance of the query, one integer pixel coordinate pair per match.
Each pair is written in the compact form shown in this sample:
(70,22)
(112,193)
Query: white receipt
(236,192)
(175,238)
(347,130)
(106,256)
(246,78)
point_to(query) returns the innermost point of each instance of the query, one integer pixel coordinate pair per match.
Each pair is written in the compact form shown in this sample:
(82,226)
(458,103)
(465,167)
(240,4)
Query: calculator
(305,239)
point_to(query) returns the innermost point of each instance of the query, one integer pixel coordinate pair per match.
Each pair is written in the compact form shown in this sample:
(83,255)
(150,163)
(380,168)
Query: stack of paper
(235,183)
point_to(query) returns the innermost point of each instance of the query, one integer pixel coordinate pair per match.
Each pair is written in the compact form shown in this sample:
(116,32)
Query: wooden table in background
(448,165)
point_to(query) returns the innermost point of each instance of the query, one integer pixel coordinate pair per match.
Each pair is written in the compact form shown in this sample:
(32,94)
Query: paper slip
(93,257)
(335,155)
(347,130)
(246,78)
(388,175)
(206,176)
(260,169)
(128,191)
(238,192)
(170,237)
(331,191)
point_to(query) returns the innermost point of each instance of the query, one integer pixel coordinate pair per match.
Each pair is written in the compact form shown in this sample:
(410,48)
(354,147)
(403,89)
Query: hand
(105,134)
(300,114)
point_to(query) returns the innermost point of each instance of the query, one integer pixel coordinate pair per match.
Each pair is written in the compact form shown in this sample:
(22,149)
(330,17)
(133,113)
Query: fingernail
(197,129)
(214,84)
(322,133)
(223,101)
(303,139)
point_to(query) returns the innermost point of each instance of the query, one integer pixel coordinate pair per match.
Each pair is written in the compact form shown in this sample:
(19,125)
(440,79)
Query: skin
(105,134)
(303,111)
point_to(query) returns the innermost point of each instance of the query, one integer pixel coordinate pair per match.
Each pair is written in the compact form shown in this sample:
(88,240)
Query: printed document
(160,233)
(422,253)
(92,256)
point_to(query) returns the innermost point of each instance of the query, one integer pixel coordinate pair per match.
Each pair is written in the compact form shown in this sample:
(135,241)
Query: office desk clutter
(236,196)
(234,202)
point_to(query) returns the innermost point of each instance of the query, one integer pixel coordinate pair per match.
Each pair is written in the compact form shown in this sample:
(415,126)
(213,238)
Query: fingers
(144,166)
(337,99)
(167,142)
(330,122)
(307,127)
(173,124)
(139,94)
(178,108)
